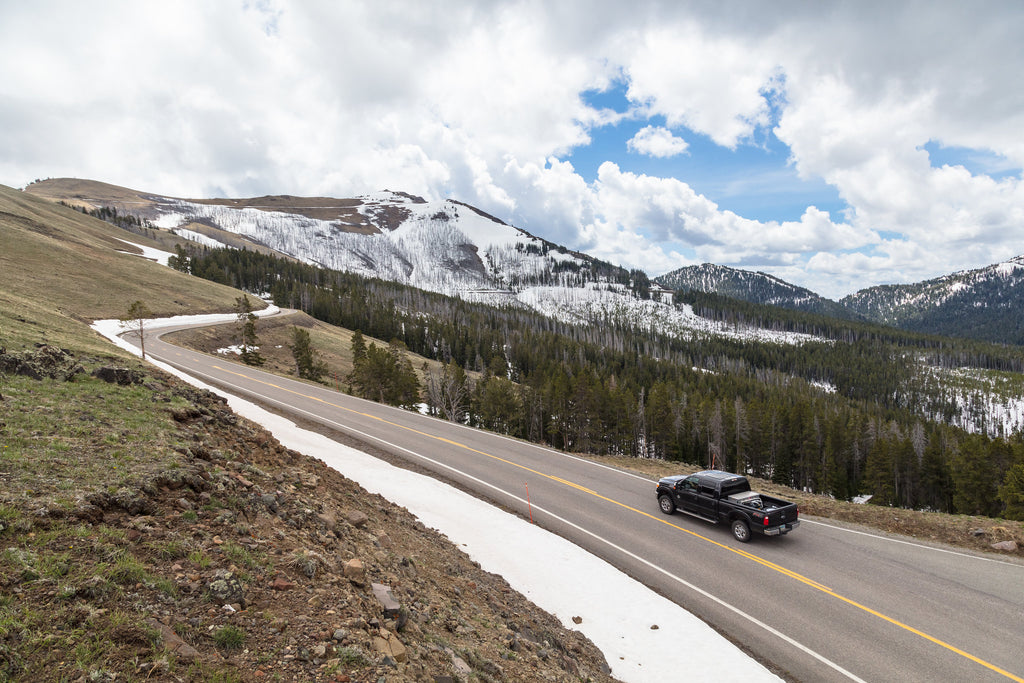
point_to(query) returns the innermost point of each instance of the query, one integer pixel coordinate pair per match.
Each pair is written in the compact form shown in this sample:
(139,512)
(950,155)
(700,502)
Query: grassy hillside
(148,533)
(76,266)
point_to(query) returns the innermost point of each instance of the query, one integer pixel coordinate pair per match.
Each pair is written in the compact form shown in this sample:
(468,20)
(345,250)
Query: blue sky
(834,145)
(755,179)
(977,161)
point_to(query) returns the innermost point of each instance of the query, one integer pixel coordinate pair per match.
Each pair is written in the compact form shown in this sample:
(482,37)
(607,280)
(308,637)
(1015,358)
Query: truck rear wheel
(740,530)
(666,504)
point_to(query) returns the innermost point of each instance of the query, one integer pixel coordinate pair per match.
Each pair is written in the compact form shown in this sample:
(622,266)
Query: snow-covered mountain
(755,287)
(454,249)
(444,246)
(986,303)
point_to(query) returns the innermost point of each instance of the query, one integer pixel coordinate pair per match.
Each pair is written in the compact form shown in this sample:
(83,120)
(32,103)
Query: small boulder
(281,584)
(387,601)
(121,376)
(1009,546)
(355,572)
(388,644)
(357,519)
(328,519)
(173,642)
(270,501)
(226,589)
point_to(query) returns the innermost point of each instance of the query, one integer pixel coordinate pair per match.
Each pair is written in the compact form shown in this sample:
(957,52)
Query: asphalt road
(824,603)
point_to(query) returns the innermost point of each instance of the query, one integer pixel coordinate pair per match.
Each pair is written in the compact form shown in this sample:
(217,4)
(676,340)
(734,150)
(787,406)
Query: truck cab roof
(713,477)
(719,475)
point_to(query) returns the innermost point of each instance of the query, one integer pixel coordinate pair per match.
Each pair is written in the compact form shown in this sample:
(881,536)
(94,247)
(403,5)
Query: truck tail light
(766,520)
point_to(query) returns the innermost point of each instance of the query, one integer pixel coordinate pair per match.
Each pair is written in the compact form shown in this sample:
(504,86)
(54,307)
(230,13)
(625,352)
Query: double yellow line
(759,560)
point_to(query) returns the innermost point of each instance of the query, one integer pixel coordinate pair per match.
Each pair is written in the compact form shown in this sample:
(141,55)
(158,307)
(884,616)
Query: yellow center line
(767,563)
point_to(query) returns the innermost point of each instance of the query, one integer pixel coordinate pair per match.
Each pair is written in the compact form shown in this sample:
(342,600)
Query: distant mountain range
(453,248)
(456,250)
(987,303)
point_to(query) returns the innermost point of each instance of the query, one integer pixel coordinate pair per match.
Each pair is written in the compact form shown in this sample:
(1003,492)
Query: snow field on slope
(599,302)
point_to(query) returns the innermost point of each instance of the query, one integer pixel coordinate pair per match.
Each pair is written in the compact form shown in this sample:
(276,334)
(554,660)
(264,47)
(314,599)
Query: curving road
(824,603)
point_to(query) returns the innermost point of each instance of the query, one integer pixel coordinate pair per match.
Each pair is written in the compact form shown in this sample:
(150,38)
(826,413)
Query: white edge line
(958,553)
(665,572)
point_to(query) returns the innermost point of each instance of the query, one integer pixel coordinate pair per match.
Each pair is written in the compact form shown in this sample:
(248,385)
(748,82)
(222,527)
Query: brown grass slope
(77,266)
(93,194)
(90,194)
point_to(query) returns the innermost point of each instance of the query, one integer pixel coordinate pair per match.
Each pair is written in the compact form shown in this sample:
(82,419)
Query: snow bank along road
(824,603)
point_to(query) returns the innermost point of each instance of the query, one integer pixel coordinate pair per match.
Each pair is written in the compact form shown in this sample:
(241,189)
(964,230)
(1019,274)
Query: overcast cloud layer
(911,114)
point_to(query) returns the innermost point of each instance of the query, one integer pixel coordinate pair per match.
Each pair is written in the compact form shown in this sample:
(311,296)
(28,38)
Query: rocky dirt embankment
(243,561)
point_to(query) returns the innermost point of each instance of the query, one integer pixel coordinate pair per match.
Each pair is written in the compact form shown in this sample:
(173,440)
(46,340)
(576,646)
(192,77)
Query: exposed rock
(459,664)
(121,376)
(357,518)
(228,533)
(355,572)
(44,362)
(1009,546)
(387,643)
(328,519)
(281,584)
(269,500)
(387,601)
(172,642)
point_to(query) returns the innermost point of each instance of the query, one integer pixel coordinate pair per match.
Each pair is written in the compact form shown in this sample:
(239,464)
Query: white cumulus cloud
(523,108)
(657,141)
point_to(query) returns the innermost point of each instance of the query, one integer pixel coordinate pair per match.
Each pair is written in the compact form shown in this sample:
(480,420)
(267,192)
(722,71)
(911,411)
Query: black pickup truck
(723,497)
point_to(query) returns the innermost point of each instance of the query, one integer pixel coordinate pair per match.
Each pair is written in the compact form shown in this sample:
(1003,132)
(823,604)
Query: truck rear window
(740,486)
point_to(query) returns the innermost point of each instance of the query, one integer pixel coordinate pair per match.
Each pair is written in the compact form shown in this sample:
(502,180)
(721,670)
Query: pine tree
(385,375)
(975,488)
(1011,493)
(247,332)
(879,476)
(936,486)
(307,364)
(498,406)
(358,347)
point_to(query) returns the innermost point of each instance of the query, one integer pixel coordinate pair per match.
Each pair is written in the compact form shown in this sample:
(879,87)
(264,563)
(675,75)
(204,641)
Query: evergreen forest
(857,412)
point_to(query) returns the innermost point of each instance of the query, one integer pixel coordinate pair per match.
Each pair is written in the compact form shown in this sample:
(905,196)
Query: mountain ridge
(452,247)
(983,303)
(445,246)
(755,287)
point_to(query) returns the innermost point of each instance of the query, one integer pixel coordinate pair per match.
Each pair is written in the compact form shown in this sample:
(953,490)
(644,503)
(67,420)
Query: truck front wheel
(740,530)
(666,504)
